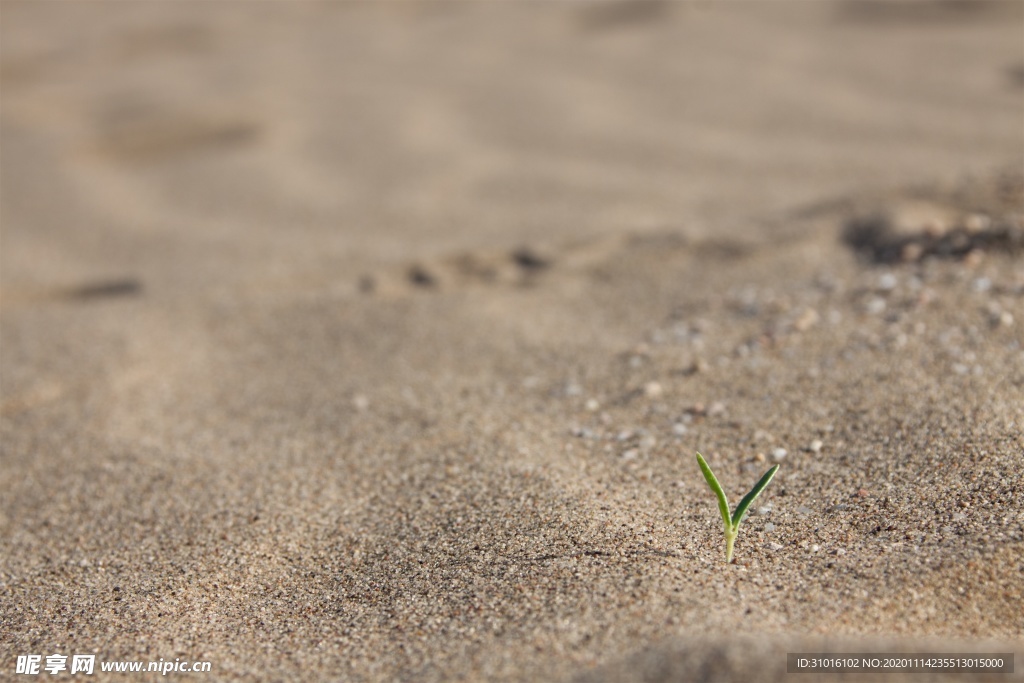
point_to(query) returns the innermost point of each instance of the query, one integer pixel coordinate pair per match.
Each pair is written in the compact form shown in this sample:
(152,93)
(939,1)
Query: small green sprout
(732,524)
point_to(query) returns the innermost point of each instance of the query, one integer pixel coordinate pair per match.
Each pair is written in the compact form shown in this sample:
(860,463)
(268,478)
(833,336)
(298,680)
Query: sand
(360,342)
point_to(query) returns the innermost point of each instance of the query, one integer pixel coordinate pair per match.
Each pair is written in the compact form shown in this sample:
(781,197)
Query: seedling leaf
(723,502)
(741,509)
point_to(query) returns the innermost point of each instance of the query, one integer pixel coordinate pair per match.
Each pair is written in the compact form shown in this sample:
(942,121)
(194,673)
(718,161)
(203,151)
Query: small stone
(679,429)
(653,390)
(648,442)
(912,251)
(572,389)
(764,510)
(775,546)
(815,548)
(624,435)
(769,527)
(779,454)
(631,454)
(815,446)
(887,282)
(592,405)
(974,258)
(759,457)
(360,402)
(981,284)
(977,222)
(716,408)
(876,306)
(804,510)
(808,319)
(1002,319)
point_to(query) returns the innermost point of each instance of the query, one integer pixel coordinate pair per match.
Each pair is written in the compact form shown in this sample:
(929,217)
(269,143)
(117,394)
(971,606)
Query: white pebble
(876,306)
(887,282)
(775,546)
(593,405)
(769,527)
(653,390)
(679,429)
(779,454)
(815,446)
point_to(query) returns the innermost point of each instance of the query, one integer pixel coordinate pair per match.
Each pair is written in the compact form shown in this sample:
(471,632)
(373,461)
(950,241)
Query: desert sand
(374,341)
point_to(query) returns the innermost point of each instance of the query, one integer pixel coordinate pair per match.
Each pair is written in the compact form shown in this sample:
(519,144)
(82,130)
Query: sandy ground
(373,342)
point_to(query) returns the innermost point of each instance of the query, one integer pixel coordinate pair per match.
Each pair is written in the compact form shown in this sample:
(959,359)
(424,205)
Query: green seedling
(732,523)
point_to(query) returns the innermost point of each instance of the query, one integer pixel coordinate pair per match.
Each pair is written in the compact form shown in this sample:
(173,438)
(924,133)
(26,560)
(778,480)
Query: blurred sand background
(373,341)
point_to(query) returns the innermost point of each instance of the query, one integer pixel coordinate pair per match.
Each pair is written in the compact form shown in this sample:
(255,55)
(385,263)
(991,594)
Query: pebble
(803,510)
(769,527)
(911,251)
(808,319)
(653,390)
(775,546)
(1003,318)
(977,222)
(779,454)
(974,258)
(716,408)
(679,429)
(360,402)
(887,282)
(876,306)
(815,548)
(815,446)
(631,454)
(593,405)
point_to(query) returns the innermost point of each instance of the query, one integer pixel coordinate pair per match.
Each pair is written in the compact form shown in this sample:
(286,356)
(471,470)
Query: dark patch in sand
(875,237)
